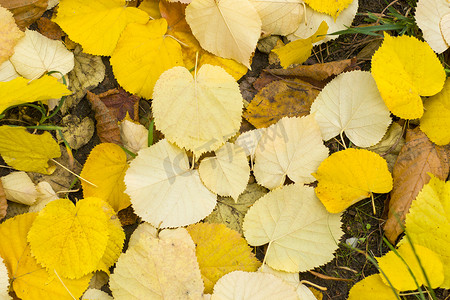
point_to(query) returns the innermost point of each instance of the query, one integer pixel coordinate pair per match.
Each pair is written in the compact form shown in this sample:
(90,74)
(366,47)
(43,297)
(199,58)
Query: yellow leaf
(197,113)
(372,288)
(133,61)
(349,176)
(297,52)
(398,274)
(28,152)
(10,34)
(105,167)
(435,120)
(329,7)
(428,221)
(219,251)
(31,281)
(151,7)
(404,69)
(97,25)
(70,239)
(21,90)
(227,28)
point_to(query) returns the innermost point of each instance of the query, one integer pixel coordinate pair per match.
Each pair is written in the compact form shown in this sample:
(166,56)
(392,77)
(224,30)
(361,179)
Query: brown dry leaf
(3,202)
(49,29)
(119,102)
(127,216)
(291,98)
(417,157)
(25,11)
(76,132)
(107,128)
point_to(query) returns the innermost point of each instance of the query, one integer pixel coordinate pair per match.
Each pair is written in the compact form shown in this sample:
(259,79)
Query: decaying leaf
(372,288)
(10,34)
(107,128)
(120,103)
(418,157)
(25,11)
(19,188)
(49,28)
(3,202)
(76,132)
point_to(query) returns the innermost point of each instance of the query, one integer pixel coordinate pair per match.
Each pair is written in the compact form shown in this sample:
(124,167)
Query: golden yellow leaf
(435,120)
(133,60)
(329,7)
(105,167)
(372,288)
(297,52)
(349,176)
(220,250)
(428,221)
(21,90)
(97,25)
(10,34)
(404,69)
(396,270)
(70,239)
(151,7)
(28,152)
(31,281)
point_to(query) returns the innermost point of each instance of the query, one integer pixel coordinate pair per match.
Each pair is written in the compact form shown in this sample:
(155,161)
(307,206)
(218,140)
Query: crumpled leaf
(300,232)
(45,194)
(4,281)
(87,23)
(107,128)
(25,11)
(76,132)
(252,286)
(164,191)
(21,90)
(349,176)
(292,148)
(120,103)
(19,188)
(418,157)
(10,34)
(29,279)
(434,122)
(351,104)
(133,61)
(3,202)
(134,136)
(105,167)
(329,7)
(398,270)
(372,288)
(428,221)
(28,152)
(404,69)
(205,110)
(7,71)
(76,245)
(227,28)
(35,55)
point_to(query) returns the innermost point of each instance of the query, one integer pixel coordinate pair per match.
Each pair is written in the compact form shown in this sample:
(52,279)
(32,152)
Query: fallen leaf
(349,176)
(98,280)
(49,29)
(219,251)
(4,281)
(10,34)
(94,294)
(28,152)
(404,69)
(418,157)
(3,202)
(7,71)
(121,103)
(151,7)
(300,232)
(249,141)
(329,7)
(205,110)
(161,174)
(292,148)
(351,104)
(19,188)
(278,99)
(134,136)
(127,216)
(107,128)
(25,11)
(45,194)
(372,288)
(252,286)
(76,132)
(444,25)
(86,24)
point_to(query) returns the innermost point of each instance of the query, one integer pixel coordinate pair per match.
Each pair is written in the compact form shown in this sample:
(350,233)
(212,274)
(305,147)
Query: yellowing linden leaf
(97,25)
(164,191)
(227,173)
(4,281)
(197,113)
(444,25)
(31,281)
(7,71)
(301,234)
(28,152)
(220,250)
(142,54)
(398,274)
(349,176)
(36,54)
(404,69)
(351,103)
(19,188)
(105,167)
(249,140)
(227,28)
(157,269)
(70,239)
(297,52)
(330,7)
(292,147)
(428,221)
(435,119)
(252,286)
(372,288)
(21,90)
(9,34)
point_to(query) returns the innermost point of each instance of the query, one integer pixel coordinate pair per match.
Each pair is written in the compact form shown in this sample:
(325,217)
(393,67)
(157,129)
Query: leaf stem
(79,177)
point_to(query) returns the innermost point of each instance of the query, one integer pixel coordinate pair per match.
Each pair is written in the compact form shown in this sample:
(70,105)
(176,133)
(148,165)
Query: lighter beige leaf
(7,71)
(45,195)
(19,188)
(249,140)
(4,281)
(134,136)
